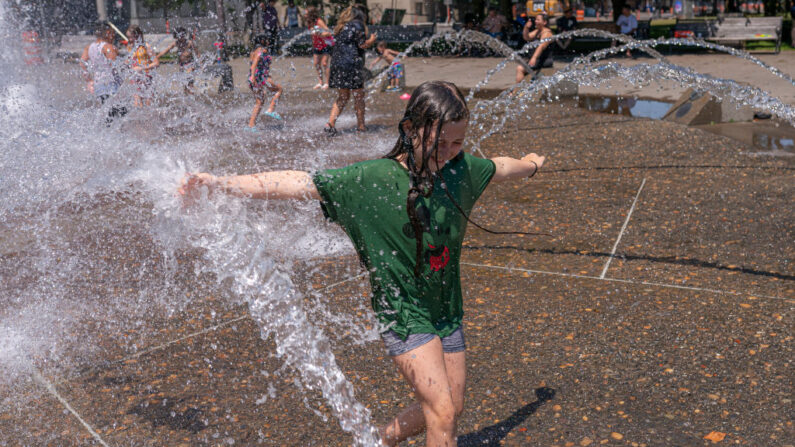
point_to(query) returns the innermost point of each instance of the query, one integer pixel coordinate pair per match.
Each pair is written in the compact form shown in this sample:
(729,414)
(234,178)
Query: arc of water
(629,43)
(520,96)
(455,39)
(641,44)
(516,55)
(647,46)
(284,49)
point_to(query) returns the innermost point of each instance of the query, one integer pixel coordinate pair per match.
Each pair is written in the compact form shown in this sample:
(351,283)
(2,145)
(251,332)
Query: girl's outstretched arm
(264,185)
(511,169)
(168,48)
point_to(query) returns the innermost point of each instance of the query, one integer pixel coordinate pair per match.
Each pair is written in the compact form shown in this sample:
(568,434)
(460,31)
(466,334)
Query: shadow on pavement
(493,434)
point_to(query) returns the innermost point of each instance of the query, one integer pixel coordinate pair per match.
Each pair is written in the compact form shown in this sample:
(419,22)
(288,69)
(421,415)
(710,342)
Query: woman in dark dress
(347,64)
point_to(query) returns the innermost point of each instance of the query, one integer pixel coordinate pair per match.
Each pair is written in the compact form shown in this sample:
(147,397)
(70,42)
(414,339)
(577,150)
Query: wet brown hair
(312,15)
(432,104)
(349,14)
(102,30)
(134,33)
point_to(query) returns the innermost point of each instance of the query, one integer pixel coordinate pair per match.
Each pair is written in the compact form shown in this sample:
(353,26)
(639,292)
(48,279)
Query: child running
(186,54)
(259,80)
(99,60)
(395,73)
(142,60)
(406,214)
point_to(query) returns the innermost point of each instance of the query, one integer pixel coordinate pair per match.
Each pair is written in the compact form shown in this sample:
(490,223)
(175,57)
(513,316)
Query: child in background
(259,80)
(142,60)
(406,213)
(99,63)
(186,54)
(396,72)
(322,44)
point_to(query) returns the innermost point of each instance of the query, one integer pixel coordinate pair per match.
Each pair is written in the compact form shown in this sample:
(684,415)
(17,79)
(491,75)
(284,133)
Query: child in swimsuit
(406,214)
(396,72)
(259,80)
(322,44)
(186,54)
(142,60)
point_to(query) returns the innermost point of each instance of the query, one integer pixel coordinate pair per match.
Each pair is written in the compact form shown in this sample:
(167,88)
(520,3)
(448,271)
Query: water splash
(516,101)
(273,302)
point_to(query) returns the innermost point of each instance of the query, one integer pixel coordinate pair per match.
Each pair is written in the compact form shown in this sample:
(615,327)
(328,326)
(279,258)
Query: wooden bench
(694,29)
(748,29)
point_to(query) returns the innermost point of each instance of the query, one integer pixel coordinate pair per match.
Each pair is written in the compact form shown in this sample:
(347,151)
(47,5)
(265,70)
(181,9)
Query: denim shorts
(396,346)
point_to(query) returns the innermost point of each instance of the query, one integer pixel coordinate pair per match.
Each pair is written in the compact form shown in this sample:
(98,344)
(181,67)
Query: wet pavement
(659,313)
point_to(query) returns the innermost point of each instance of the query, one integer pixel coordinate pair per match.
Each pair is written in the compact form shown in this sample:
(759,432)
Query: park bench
(748,29)
(694,29)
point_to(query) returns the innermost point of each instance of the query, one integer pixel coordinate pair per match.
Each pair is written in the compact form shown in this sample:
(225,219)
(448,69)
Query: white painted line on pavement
(46,384)
(623,227)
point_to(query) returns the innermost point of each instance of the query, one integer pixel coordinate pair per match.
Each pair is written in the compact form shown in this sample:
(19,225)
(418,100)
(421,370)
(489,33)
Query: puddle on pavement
(763,137)
(628,106)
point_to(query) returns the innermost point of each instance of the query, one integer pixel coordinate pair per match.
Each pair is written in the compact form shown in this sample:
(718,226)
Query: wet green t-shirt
(368,200)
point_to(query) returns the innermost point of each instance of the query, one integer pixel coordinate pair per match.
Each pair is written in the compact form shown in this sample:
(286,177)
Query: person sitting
(567,22)
(494,24)
(542,53)
(627,24)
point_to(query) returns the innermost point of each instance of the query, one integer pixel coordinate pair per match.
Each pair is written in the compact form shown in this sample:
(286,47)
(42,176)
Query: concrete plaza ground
(660,313)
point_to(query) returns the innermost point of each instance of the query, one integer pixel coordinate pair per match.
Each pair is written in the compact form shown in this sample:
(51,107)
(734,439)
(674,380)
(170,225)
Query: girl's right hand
(191,184)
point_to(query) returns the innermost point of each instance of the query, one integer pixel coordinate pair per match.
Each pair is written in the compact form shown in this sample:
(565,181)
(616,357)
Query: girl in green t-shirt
(406,215)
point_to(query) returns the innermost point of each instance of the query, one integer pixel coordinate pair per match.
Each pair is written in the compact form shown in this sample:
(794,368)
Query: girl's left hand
(534,158)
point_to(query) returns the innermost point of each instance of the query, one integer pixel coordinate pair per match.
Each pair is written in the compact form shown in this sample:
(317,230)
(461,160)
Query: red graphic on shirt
(439,257)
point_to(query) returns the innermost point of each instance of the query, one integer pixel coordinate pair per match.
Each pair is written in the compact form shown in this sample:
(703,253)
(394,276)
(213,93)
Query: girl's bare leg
(520,74)
(324,61)
(318,60)
(339,105)
(358,104)
(257,107)
(440,395)
(278,89)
